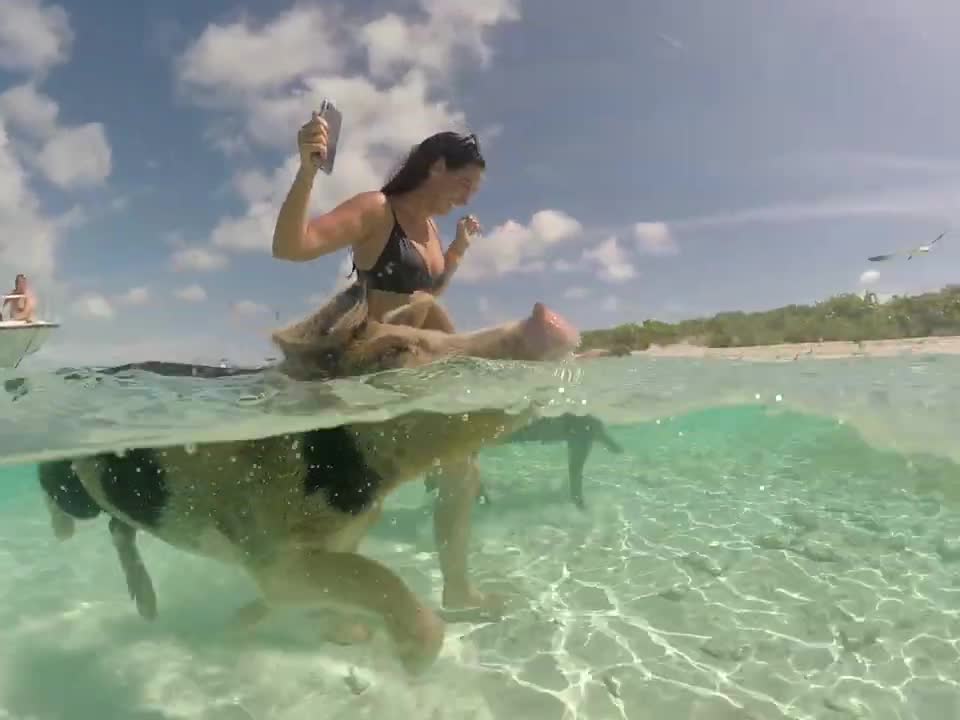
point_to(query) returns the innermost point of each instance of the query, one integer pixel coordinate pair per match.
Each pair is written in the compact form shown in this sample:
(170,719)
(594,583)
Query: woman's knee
(438,319)
(463,475)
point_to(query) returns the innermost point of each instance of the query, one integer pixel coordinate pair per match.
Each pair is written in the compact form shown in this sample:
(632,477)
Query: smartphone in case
(329,112)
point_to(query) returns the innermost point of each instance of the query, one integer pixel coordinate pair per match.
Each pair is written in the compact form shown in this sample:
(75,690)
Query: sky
(660,159)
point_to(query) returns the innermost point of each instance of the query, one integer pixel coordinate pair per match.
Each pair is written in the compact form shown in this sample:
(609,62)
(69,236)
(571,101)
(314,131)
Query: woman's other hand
(467,227)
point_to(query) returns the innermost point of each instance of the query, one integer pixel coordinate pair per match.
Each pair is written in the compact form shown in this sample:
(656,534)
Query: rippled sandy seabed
(735,563)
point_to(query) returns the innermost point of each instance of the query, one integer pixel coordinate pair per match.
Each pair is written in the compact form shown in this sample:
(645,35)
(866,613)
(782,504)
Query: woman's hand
(312,140)
(466,228)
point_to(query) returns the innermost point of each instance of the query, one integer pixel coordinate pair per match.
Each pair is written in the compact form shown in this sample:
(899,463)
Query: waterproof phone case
(329,112)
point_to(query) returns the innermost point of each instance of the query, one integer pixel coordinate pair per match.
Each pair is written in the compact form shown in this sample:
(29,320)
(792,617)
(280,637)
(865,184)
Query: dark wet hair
(458,151)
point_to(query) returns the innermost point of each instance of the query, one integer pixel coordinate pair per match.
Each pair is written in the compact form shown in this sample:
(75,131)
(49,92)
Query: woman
(391,232)
(398,254)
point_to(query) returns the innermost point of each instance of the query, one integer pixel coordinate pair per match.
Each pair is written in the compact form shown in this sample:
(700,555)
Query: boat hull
(19,339)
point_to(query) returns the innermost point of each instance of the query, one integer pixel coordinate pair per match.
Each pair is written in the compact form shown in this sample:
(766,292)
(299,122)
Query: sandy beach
(948,345)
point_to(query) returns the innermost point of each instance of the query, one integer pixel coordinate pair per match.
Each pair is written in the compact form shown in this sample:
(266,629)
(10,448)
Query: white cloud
(383,126)
(936,200)
(249,308)
(300,41)
(190,293)
(29,110)
(135,296)
(835,162)
(869,277)
(341,280)
(307,41)
(77,156)
(95,306)
(615,267)
(252,231)
(576,293)
(512,245)
(68,156)
(671,41)
(451,28)
(296,59)
(29,239)
(33,37)
(655,238)
(198,258)
(229,142)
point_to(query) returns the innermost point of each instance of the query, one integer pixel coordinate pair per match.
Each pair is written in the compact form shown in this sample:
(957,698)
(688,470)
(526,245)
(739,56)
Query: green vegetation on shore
(848,317)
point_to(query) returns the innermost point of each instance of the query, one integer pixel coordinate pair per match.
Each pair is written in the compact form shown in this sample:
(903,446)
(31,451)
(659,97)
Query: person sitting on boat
(22,301)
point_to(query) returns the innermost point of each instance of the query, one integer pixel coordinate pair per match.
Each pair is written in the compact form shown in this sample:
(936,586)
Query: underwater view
(769,541)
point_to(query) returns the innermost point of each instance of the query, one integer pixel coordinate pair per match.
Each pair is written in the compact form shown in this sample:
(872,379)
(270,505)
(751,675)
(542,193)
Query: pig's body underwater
(291,509)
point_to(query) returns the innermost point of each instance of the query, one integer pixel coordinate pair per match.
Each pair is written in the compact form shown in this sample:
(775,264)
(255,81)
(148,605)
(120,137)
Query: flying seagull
(921,250)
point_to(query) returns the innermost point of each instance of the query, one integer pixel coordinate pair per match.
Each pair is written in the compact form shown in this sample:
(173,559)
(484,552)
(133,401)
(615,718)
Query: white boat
(20,338)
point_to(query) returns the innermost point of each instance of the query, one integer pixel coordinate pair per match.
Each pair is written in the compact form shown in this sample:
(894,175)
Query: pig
(291,509)
(579,432)
(341,339)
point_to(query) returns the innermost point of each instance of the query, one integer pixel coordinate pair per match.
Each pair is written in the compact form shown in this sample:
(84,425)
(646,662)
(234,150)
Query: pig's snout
(548,335)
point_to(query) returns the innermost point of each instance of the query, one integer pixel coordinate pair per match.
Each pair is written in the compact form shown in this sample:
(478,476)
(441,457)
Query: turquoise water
(777,541)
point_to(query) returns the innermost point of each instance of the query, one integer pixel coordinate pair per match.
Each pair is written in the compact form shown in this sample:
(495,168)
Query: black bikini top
(400,267)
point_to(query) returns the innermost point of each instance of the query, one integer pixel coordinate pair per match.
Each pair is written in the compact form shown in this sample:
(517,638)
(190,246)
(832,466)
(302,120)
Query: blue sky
(659,159)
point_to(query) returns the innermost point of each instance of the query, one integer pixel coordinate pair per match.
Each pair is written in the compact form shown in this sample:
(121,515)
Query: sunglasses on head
(470,143)
(450,144)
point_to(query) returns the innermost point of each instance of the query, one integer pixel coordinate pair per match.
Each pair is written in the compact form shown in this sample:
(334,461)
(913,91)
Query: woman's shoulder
(370,209)
(371,200)
(374,207)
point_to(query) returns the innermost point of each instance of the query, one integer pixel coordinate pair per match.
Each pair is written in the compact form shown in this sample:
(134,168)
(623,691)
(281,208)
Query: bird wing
(909,253)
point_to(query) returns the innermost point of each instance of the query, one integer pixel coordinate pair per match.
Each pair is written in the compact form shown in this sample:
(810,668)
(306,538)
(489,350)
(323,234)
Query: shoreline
(827,350)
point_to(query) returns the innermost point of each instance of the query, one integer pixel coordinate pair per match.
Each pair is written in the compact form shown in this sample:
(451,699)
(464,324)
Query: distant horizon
(882,298)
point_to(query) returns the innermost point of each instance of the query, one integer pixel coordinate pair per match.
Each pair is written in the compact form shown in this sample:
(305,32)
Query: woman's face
(20,283)
(455,188)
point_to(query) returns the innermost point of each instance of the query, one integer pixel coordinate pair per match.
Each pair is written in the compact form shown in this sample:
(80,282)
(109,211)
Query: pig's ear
(333,326)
